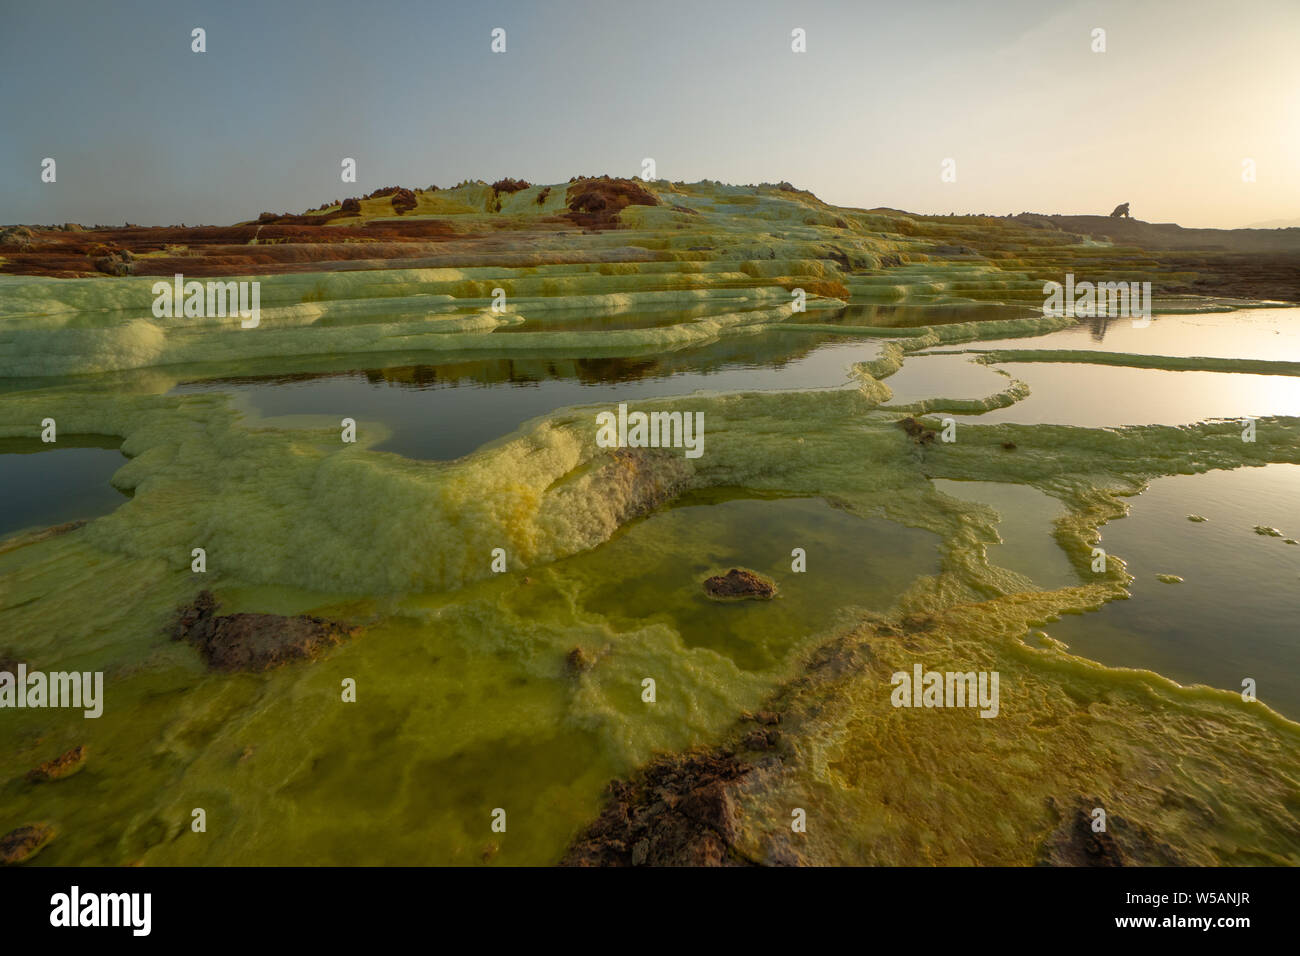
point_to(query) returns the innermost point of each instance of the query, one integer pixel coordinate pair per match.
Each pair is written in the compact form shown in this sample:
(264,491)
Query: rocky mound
(403,201)
(254,642)
(678,812)
(739,584)
(1075,843)
(919,432)
(61,766)
(508,185)
(23,843)
(596,203)
(114,262)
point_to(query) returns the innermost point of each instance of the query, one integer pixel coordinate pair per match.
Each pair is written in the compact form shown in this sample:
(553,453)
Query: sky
(143,129)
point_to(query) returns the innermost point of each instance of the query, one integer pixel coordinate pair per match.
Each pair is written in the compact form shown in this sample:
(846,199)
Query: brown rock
(62,766)
(679,811)
(116,263)
(737,585)
(917,431)
(19,237)
(596,203)
(403,201)
(20,845)
(761,739)
(578,661)
(1122,843)
(254,642)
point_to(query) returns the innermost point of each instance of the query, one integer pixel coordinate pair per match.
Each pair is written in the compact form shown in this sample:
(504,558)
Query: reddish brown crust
(597,203)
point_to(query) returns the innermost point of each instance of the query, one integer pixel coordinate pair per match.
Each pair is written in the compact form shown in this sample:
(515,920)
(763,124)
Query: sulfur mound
(254,642)
(738,585)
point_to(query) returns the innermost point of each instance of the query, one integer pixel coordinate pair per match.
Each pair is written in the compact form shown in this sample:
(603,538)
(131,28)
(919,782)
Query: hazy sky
(143,129)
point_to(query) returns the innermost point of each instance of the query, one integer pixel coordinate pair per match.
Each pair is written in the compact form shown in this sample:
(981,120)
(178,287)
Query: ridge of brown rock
(679,811)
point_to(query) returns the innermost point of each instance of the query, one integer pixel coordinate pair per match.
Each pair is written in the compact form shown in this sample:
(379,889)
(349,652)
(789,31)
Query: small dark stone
(578,661)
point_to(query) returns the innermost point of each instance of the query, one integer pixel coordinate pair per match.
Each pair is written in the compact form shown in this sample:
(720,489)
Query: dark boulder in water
(20,845)
(738,585)
(254,642)
(61,766)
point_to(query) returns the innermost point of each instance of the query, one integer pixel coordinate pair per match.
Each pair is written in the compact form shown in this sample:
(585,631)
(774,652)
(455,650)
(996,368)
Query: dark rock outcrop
(919,432)
(254,642)
(596,203)
(62,766)
(18,237)
(578,661)
(679,811)
(403,201)
(1074,843)
(508,185)
(118,262)
(23,843)
(739,584)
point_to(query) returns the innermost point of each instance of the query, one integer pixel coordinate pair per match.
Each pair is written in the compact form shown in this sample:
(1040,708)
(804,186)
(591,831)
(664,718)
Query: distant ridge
(1276,224)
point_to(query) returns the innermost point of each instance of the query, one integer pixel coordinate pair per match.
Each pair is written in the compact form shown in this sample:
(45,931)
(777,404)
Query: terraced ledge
(1130,360)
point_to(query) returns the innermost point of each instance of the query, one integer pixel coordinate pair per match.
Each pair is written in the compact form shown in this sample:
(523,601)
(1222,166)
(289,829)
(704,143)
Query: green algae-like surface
(952,555)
